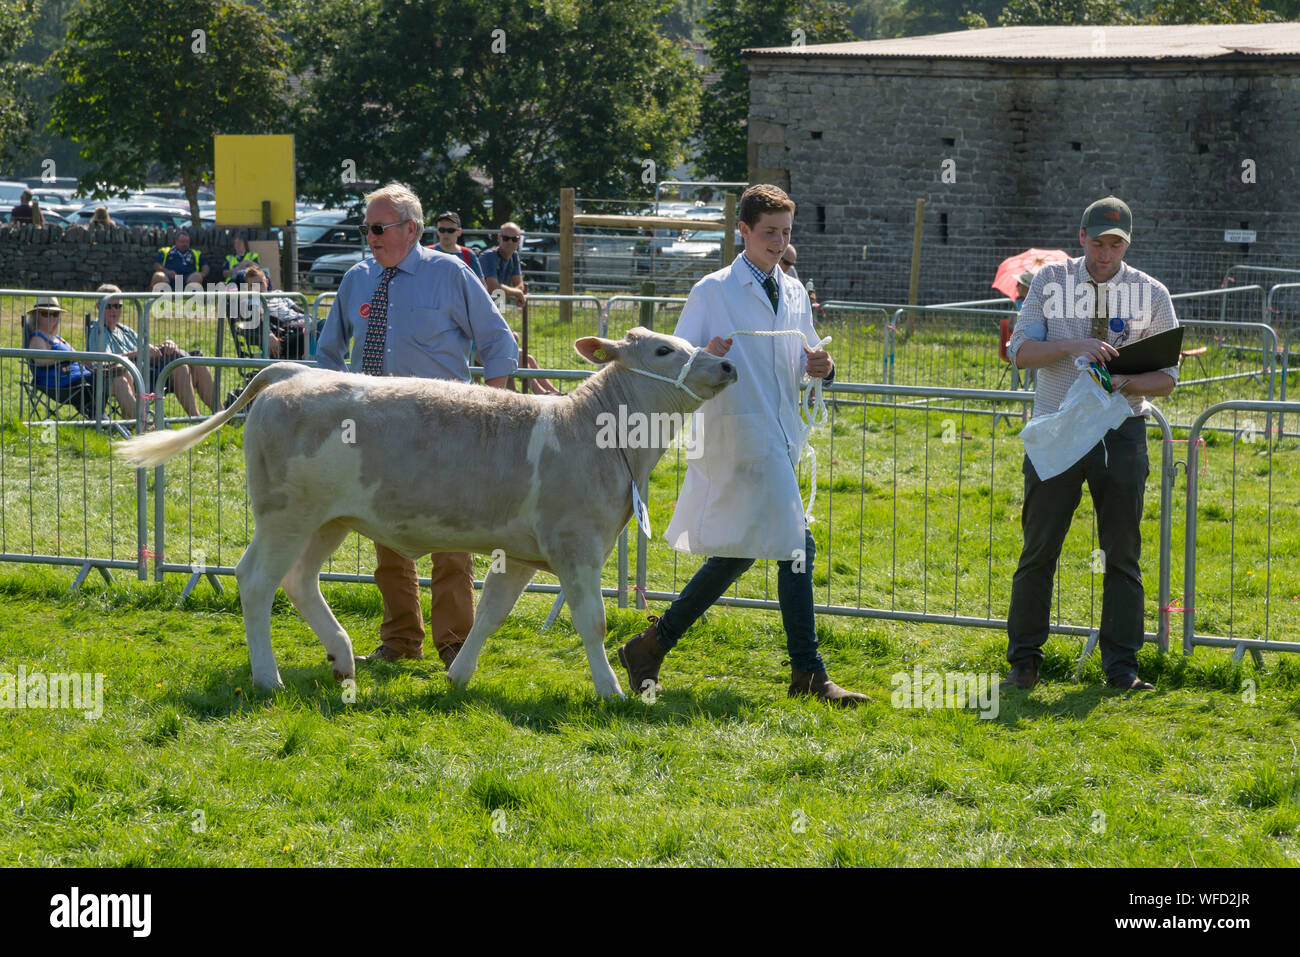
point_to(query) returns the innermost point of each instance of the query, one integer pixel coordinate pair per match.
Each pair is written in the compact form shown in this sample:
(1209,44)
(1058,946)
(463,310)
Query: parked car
(11,192)
(696,253)
(327,271)
(51,218)
(176,193)
(60,201)
(168,217)
(325,232)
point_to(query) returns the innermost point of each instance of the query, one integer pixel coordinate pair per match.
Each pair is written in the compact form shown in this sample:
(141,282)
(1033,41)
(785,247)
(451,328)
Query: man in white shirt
(1087,307)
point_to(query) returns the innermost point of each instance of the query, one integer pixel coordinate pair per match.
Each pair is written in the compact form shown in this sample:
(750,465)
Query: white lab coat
(740,498)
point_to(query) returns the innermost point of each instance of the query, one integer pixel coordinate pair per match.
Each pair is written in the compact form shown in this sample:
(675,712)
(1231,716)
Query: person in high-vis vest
(181,260)
(237,263)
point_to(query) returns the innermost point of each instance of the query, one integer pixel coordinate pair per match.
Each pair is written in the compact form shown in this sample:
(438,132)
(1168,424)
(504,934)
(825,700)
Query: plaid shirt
(1061,304)
(760,276)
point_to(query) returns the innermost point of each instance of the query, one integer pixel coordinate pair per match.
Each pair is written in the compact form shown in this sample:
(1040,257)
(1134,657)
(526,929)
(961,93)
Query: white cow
(428,465)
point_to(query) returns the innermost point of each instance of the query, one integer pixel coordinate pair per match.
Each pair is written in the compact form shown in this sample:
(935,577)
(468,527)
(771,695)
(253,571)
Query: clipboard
(1151,354)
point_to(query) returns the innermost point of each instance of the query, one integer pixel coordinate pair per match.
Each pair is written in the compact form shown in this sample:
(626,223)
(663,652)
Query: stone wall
(83,257)
(1026,146)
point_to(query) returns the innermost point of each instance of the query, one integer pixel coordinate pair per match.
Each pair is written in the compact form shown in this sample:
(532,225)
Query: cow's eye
(663,351)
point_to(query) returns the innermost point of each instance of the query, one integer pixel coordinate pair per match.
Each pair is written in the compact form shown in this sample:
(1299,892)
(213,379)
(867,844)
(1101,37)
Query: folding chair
(244,349)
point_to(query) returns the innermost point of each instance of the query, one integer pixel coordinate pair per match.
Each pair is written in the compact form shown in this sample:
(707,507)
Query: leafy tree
(48,34)
(147,85)
(1212,11)
(946,16)
(735,25)
(532,94)
(1065,13)
(15,108)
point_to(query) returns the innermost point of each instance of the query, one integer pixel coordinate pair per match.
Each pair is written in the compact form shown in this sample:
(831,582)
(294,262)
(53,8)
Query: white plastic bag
(1056,441)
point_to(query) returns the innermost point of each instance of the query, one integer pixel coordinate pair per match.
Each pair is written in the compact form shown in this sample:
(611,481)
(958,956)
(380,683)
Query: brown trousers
(452,613)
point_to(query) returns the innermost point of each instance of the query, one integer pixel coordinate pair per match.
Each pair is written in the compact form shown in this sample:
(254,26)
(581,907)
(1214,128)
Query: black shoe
(1130,682)
(1023,675)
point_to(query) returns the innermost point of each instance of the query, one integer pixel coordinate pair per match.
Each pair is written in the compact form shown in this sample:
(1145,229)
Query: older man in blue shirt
(416,312)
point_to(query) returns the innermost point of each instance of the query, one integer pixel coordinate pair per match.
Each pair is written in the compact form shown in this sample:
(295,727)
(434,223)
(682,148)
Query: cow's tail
(155,448)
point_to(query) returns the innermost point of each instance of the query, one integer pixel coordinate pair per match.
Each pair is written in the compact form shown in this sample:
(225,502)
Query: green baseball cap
(1106,217)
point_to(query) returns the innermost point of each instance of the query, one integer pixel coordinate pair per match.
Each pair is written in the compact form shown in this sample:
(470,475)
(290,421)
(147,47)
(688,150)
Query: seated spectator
(181,260)
(22,213)
(287,321)
(501,268)
(101,217)
(238,262)
(449,233)
(38,218)
(159,282)
(110,335)
(66,381)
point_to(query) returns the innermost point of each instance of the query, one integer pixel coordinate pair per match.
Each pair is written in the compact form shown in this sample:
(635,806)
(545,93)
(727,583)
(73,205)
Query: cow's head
(663,358)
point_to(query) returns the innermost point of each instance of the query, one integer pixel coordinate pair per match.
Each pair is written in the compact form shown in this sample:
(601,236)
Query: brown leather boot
(642,656)
(448,653)
(819,685)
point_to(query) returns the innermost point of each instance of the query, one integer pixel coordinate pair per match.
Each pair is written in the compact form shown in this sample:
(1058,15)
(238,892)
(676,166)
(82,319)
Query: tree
(1212,11)
(15,108)
(147,85)
(1027,13)
(531,95)
(732,26)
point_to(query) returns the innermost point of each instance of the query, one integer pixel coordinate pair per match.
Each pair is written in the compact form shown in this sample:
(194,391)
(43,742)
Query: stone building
(1009,133)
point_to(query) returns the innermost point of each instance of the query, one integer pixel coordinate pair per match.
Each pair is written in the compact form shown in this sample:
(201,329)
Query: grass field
(526,766)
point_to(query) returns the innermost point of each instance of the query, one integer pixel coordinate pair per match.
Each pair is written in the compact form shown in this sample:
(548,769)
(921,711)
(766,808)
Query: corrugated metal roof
(1190,42)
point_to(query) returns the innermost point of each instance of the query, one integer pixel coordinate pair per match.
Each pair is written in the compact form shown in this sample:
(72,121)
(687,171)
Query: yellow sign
(250,170)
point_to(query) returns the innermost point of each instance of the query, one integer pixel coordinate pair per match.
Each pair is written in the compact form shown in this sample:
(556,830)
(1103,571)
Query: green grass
(190,766)
(722,766)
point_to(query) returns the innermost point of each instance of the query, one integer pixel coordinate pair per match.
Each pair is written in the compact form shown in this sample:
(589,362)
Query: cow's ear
(597,350)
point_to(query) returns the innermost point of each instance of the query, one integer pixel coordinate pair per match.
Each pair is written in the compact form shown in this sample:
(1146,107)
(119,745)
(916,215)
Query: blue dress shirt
(436,309)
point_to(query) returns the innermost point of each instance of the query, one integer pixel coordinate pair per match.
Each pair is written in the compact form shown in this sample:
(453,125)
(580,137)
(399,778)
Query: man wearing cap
(1086,307)
(449,232)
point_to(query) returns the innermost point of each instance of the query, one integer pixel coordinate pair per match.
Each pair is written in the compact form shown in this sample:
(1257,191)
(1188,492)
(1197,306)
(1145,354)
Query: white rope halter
(680,381)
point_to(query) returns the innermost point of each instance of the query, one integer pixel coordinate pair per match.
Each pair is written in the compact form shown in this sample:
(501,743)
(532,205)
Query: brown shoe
(448,653)
(1023,675)
(642,656)
(819,685)
(384,653)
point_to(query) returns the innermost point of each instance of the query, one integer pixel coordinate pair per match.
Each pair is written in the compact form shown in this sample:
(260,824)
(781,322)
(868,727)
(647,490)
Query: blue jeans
(794,590)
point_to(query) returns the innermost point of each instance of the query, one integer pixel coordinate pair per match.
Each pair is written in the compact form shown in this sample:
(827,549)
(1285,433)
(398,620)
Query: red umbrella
(1009,272)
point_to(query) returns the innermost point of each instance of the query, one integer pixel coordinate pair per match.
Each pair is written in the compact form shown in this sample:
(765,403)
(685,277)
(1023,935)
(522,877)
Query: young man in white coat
(740,500)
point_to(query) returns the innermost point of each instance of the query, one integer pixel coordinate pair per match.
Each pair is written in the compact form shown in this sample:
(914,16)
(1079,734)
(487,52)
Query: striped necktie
(1099,311)
(772,293)
(372,354)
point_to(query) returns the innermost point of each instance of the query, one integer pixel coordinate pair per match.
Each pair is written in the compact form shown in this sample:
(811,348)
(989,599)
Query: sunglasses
(511,239)
(48,314)
(377,229)
(448,229)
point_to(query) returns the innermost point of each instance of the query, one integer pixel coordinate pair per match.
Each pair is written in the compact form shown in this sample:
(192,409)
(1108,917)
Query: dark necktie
(1100,307)
(770,285)
(372,353)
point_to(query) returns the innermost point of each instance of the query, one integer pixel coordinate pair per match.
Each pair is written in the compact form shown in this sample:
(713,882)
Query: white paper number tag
(641,512)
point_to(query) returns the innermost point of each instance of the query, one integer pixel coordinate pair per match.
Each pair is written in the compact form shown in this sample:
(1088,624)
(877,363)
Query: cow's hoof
(459,677)
(269,684)
(342,676)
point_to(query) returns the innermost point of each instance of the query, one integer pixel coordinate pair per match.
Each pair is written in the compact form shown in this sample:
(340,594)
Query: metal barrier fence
(1212,606)
(946,467)
(46,499)
(207,510)
(1222,361)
